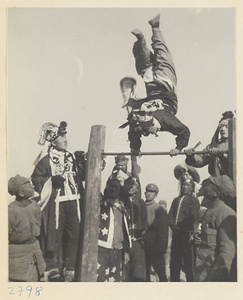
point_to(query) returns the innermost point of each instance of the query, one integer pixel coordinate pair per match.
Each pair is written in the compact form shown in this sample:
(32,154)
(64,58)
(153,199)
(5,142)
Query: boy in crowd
(26,261)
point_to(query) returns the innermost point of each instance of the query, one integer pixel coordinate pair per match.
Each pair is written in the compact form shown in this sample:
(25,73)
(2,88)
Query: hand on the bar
(174,152)
(189,152)
(213,151)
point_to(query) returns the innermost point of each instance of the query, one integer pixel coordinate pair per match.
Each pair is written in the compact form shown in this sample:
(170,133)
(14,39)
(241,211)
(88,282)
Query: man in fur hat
(216,254)
(57,178)
(183,172)
(26,261)
(156,112)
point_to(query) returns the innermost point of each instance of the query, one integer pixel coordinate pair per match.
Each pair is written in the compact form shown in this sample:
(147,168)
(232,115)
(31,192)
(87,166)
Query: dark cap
(15,183)
(152,187)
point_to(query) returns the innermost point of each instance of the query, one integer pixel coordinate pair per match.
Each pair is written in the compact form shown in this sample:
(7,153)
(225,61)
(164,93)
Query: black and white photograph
(121,166)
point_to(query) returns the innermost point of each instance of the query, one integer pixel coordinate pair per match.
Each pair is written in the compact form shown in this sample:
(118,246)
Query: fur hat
(225,185)
(15,183)
(191,170)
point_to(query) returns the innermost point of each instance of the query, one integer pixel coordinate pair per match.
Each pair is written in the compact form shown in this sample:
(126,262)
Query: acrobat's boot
(138,33)
(154,22)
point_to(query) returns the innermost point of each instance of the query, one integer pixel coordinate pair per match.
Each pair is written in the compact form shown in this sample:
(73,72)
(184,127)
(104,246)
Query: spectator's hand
(135,152)
(213,151)
(57,181)
(196,239)
(174,152)
(189,152)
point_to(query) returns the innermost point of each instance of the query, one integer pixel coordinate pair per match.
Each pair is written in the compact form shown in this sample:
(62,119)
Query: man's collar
(149,202)
(23,203)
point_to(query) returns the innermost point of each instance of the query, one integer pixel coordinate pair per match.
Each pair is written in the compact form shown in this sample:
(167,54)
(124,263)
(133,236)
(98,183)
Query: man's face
(185,175)
(113,189)
(187,188)
(210,190)
(150,130)
(223,128)
(27,190)
(201,191)
(60,143)
(122,167)
(150,195)
(130,188)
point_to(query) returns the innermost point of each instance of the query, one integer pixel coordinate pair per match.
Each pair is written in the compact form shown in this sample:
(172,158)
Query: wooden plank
(232,149)
(91,213)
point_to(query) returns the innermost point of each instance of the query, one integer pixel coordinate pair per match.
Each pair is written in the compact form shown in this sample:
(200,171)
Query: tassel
(37,159)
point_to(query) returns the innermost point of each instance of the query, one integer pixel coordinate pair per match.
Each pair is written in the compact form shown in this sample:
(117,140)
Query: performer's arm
(135,139)
(171,124)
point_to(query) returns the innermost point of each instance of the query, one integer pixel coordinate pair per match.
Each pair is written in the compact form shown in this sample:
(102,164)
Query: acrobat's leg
(163,66)
(143,56)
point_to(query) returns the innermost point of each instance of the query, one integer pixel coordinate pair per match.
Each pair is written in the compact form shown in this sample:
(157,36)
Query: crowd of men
(134,233)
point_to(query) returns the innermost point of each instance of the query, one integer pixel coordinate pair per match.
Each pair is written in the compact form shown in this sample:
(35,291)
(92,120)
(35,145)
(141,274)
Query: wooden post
(232,150)
(91,213)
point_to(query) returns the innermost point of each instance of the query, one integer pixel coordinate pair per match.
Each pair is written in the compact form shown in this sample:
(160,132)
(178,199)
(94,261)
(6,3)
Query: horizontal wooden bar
(158,153)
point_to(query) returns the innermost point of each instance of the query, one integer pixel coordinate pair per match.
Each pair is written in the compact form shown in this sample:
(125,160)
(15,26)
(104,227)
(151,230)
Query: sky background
(66,65)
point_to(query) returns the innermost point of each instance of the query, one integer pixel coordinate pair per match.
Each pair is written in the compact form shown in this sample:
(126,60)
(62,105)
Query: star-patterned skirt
(109,268)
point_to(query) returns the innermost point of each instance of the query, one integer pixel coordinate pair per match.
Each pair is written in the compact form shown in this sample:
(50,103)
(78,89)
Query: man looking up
(26,261)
